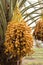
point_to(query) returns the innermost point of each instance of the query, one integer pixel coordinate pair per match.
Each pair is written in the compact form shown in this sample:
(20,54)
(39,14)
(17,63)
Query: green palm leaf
(26,15)
(1,35)
(3,17)
(2,2)
(3,23)
(30,6)
(22,3)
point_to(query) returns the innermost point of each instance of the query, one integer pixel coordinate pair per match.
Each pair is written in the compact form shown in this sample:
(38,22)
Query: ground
(35,59)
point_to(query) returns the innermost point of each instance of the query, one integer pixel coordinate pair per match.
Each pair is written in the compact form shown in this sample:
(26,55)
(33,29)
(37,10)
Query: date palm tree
(8,13)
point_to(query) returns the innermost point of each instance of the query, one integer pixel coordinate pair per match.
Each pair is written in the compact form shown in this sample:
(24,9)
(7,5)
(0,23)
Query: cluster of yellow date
(38,32)
(18,39)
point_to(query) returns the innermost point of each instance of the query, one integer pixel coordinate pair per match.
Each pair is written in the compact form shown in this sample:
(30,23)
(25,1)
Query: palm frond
(22,3)
(26,15)
(30,6)
(33,22)
(12,4)
(30,16)
(3,4)
(2,14)
(35,17)
(1,35)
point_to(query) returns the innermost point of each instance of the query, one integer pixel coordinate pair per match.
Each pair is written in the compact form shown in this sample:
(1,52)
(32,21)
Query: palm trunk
(18,62)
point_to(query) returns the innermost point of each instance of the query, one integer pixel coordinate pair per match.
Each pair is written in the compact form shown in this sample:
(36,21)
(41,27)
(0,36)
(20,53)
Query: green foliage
(3,22)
